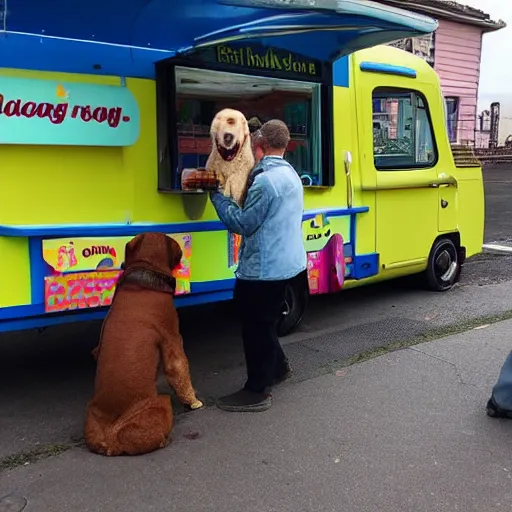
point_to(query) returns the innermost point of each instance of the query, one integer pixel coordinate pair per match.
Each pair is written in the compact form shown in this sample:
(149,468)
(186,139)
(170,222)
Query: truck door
(399,163)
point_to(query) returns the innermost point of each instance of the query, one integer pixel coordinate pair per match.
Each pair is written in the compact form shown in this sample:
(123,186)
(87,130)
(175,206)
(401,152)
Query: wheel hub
(446,265)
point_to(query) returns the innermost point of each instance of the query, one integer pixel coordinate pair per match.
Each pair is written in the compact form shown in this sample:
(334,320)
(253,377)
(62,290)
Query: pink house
(455,53)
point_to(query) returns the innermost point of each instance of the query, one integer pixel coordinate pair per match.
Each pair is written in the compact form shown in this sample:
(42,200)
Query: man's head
(271,139)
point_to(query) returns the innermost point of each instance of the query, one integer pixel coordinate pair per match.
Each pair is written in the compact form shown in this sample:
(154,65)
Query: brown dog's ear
(174,252)
(131,249)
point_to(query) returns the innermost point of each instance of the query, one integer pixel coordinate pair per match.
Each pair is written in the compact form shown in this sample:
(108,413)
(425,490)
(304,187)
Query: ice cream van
(101,109)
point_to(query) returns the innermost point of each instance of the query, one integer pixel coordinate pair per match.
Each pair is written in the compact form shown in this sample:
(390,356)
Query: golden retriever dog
(231,157)
(126,415)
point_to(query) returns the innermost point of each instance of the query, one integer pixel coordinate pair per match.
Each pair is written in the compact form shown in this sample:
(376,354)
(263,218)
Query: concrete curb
(497,248)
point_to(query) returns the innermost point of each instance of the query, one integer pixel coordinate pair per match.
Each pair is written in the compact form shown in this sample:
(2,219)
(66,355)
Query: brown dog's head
(153,251)
(229,131)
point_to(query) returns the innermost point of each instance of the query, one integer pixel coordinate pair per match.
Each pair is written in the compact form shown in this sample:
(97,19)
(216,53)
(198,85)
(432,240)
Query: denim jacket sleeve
(244,221)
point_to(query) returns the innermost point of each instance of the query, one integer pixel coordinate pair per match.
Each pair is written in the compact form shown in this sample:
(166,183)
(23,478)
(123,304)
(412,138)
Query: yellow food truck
(102,110)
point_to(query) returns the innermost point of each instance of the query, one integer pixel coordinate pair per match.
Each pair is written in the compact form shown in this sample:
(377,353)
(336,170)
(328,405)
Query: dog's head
(153,251)
(229,132)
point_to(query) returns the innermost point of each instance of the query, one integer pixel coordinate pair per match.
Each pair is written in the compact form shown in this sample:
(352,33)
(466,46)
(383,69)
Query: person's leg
(263,352)
(500,403)
(259,305)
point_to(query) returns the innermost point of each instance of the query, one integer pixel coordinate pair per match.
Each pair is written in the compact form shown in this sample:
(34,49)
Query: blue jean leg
(502,391)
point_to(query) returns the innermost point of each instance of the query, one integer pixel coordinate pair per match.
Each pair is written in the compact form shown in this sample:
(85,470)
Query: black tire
(443,267)
(296,303)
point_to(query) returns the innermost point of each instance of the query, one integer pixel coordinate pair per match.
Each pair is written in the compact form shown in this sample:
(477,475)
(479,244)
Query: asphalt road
(498,195)
(403,432)
(46,378)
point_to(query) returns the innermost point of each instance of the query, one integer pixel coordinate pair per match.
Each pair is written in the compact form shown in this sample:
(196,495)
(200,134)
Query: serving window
(188,98)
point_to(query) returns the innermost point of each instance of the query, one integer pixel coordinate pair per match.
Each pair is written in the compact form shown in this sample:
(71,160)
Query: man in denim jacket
(271,255)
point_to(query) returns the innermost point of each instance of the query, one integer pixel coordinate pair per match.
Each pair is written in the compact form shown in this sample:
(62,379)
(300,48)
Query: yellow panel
(471,209)
(54,185)
(14,272)
(63,184)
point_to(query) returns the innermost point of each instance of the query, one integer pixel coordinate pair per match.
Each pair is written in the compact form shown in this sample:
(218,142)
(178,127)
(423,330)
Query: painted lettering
(96,250)
(271,60)
(44,110)
(13,108)
(29,109)
(114,116)
(86,114)
(57,113)
(100,114)
(231,56)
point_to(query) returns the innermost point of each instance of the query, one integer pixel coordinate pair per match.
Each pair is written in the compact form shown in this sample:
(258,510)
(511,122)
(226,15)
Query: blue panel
(99,230)
(339,212)
(387,69)
(38,272)
(23,322)
(28,310)
(33,317)
(201,293)
(46,54)
(366,265)
(124,37)
(211,286)
(340,75)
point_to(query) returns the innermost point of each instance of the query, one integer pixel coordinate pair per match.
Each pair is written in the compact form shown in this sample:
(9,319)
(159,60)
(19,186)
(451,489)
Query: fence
(470,131)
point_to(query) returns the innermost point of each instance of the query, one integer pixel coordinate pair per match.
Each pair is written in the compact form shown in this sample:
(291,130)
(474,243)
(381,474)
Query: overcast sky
(496,71)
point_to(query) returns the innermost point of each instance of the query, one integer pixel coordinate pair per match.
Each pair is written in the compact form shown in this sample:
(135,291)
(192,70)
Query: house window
(192,97)
(452,117)
(402,131)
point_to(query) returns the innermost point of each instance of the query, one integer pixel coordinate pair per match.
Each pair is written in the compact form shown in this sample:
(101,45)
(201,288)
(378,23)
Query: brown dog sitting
(126,415)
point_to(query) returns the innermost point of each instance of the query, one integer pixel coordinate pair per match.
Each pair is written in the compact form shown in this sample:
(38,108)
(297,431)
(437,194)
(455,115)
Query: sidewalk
(401,433)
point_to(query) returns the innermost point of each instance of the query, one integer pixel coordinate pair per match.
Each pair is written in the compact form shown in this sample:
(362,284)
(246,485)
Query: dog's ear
(214,125)
(174,252)
(247,130)
(131,249)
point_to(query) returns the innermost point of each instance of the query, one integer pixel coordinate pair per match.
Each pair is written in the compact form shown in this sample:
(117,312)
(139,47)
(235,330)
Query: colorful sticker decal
(85,270)
(66,292)
(55,113)
(234,242)
(326,272)
(330,252)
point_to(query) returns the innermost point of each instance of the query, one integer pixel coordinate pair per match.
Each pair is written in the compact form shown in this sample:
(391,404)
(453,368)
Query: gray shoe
(245,401)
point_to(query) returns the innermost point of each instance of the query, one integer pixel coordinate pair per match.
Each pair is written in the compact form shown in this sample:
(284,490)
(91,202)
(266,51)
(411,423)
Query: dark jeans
(260,306)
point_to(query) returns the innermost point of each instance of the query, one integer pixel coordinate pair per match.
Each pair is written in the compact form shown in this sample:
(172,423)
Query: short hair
(274,134)
(257,139)
(254,124)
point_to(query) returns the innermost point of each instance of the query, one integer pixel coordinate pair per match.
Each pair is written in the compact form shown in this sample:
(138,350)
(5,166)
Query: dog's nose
(228,138)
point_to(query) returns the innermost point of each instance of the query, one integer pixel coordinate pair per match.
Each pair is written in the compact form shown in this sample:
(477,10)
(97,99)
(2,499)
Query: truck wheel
(296,302)
(443,266)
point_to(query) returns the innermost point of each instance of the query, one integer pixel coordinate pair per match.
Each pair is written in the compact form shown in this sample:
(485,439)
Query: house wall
(458,51)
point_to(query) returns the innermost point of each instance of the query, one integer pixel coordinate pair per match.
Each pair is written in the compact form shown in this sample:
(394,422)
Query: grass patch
(41,452)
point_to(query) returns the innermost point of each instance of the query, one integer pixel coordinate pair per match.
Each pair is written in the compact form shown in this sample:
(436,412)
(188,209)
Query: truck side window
(402,131)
